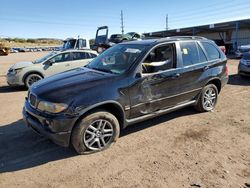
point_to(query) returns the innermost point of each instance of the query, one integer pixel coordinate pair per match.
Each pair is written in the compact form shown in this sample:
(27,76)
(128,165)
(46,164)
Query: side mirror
(138,75)
(50,62)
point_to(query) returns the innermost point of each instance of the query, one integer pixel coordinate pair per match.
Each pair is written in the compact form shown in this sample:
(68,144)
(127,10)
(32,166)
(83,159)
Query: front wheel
(31,79)
(208,98)
(95,132)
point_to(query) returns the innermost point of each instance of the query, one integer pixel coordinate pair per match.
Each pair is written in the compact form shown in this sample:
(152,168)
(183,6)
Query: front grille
(32,100)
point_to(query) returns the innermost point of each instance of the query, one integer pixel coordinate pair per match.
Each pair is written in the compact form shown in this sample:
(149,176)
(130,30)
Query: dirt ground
(180,149)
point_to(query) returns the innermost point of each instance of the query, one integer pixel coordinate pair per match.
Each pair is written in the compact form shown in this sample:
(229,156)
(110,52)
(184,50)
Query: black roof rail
(184,37)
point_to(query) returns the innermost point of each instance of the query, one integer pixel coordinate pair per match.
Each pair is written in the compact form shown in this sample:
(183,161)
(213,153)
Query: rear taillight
(223,49)
(226,70)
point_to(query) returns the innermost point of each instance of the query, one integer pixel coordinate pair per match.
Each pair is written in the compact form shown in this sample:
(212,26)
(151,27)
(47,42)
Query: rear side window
(92,55)
(60,58)
(201,54)
(212,52)
(191,53)
(80,55)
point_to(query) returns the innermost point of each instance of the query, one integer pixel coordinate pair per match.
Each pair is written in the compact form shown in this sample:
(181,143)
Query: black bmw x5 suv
(130,82)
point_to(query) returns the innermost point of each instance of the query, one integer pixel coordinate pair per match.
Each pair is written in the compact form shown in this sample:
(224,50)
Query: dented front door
(154,92)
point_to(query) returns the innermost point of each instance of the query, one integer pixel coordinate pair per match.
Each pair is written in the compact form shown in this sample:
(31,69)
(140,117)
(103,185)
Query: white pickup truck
(75,43)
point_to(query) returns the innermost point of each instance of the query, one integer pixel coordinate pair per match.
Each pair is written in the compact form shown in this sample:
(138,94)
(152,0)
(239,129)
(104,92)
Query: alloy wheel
(209,99)
(98,135)
(31,79)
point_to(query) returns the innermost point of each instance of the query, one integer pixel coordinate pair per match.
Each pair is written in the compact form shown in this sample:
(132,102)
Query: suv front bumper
(58,129)
(13,80)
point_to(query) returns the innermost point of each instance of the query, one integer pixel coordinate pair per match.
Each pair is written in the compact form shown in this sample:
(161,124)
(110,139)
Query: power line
(122,26)
(215,6)
(209,16)
(218,12)
(167,22)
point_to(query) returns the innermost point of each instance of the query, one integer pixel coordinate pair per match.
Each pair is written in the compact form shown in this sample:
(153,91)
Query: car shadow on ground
(9,89)
(21,148)
(158,120)
(236,79)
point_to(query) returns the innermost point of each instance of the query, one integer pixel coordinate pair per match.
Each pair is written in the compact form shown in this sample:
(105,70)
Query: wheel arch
(216,82)
(113,107)
(31,72)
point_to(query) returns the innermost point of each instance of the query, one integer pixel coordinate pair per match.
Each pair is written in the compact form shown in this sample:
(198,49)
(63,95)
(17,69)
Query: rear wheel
(31,79)
(208,98)
(95,132)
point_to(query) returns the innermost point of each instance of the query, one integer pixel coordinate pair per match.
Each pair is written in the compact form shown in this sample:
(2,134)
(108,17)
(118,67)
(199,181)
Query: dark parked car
(102,42)
(128,83)
(244,65)
(241,50)
(118,38)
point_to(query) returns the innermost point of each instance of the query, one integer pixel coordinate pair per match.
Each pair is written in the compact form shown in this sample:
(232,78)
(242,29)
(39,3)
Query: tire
(31,79)
(88,135)
(208,98)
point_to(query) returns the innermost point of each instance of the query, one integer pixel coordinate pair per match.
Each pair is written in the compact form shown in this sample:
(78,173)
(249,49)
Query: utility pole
(122,26)
(167,22)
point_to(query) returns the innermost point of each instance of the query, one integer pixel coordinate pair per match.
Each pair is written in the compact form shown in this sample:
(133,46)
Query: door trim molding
(159,112)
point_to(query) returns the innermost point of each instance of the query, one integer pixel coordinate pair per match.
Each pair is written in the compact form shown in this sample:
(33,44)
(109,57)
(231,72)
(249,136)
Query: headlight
(14,71)
(52,107)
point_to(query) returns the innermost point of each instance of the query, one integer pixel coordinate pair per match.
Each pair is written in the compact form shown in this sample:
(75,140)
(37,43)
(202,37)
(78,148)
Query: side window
(84,43)
(201,54)
(211,50)
(92,55)
(81,43)
(80,55)
(60,58)
(136,36)
(190,54)
(159,59)
(84,55)
(76,56)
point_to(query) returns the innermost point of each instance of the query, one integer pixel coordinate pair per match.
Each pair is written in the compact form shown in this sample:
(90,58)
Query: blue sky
(62,19)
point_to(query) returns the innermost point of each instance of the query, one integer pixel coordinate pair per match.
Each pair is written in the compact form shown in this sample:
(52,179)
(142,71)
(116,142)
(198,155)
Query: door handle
(177,75)
(67,65)
(205,68)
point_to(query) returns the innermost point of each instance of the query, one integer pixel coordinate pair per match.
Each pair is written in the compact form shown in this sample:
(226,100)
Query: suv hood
(20,65)
(62,87)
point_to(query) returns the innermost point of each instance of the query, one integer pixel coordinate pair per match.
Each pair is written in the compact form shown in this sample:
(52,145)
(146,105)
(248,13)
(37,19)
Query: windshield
(246,56)
(130,34)
(44,58)
(117,59)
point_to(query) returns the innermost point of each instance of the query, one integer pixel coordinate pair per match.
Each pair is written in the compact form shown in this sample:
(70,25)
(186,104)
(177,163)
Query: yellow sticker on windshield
(185,50)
